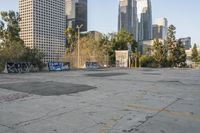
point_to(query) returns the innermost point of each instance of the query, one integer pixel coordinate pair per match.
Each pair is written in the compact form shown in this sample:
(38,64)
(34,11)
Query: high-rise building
(144,12)
(160,29)
(42,26)
(127,18)
(162,22)
(186,42)
(157,32)
(76,13)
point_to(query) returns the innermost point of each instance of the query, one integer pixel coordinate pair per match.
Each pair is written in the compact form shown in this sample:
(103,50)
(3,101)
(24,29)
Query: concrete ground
(107,101)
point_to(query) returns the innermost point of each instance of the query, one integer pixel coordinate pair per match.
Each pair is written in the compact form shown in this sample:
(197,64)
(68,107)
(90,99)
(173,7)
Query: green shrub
(2,65)
(1,68)
(147,61)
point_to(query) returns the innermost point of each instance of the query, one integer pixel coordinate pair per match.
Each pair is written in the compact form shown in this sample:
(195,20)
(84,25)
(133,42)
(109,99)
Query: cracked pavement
(107,101)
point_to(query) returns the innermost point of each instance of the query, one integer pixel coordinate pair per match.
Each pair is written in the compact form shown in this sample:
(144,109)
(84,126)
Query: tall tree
(10,25)
(171,42)
(120,41)
(11,45)
(179,54)
(71,38)
(194,53)
(105,46)
(91,50)
(159,53)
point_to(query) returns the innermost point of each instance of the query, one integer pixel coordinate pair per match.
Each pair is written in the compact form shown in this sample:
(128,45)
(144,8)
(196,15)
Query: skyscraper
(160,29)
(157,31)
(127,18)
(42,26)
(144,12)
(76,13)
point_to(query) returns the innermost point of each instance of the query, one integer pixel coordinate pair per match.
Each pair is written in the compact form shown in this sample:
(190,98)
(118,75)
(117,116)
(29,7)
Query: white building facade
(42,26)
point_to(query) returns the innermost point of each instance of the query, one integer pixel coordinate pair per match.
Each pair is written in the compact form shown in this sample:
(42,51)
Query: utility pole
(79,27)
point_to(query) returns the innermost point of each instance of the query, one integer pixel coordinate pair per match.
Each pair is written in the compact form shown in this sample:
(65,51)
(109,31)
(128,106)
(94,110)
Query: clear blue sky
(102,15)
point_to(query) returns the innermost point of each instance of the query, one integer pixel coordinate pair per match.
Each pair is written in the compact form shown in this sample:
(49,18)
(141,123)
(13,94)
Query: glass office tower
(127,18)
(76,13)
(160,29)
(144,11)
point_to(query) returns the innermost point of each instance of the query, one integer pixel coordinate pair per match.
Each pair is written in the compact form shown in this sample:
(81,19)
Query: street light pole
(79,27)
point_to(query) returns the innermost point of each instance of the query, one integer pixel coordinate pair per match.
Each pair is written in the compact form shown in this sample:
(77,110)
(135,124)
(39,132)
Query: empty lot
(106,101)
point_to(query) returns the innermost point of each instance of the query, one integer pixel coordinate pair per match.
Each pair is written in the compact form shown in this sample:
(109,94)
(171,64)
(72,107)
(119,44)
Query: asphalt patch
(47,88)
(105,74)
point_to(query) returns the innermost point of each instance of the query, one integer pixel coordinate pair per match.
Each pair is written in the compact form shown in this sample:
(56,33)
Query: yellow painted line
(186,115)
(108,126)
